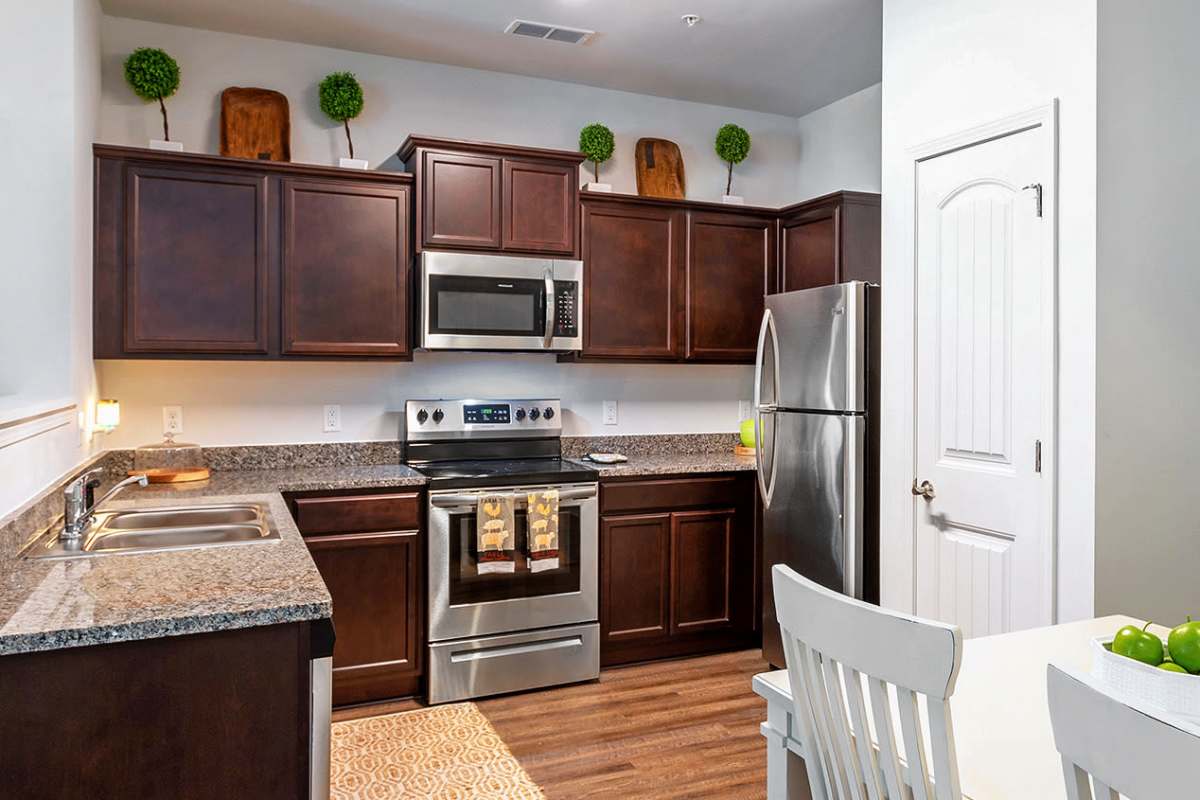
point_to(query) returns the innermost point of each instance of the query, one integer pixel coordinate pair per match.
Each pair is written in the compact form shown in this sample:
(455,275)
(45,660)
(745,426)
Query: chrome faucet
(79,505)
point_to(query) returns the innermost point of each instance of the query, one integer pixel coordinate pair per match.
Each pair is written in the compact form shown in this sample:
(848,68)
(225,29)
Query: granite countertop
(674,464)
(51,604)
(54,604)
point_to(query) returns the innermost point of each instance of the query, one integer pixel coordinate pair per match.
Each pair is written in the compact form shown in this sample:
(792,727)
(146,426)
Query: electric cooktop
(504,472)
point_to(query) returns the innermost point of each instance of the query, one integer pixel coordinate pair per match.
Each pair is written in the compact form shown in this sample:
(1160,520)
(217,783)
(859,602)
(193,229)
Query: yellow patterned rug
(446,752)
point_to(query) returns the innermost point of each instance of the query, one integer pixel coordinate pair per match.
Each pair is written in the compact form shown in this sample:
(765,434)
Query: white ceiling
(781,56)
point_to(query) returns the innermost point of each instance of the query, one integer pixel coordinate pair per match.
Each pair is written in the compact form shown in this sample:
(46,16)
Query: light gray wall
(47,125)
(949,65)
(404,97)
(1148,312)
(840,145)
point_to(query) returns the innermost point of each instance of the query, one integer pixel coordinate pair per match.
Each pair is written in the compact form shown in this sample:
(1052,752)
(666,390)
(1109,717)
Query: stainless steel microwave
(470,301)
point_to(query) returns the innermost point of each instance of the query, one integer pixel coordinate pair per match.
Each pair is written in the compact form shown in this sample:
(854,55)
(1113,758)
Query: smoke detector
(691,20)
(553,33)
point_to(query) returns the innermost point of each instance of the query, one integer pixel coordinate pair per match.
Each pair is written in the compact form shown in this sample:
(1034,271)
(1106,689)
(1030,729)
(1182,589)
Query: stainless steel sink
(158,529)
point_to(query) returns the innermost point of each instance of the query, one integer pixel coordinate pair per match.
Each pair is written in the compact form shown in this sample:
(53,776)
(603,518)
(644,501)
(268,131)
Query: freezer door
(813,522)
(819,340)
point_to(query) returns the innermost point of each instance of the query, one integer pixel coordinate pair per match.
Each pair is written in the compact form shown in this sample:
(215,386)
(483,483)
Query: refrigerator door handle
(766,484)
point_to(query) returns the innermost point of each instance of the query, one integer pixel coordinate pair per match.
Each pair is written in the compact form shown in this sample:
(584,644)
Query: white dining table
(1002,730)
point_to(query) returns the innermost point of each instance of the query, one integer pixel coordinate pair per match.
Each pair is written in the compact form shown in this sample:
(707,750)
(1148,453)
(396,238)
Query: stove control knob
(520,414)
(534,414)
(548,413)
(422,415)
(438,416)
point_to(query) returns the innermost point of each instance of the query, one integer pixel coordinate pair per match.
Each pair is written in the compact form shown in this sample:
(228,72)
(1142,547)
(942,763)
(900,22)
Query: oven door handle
(551,309)
(455,500)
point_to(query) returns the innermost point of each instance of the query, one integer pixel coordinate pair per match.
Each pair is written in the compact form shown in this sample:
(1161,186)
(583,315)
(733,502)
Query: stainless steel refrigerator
(816,394)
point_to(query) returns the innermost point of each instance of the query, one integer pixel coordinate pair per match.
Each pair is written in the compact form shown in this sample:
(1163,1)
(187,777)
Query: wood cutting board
(659,169)
(255,123)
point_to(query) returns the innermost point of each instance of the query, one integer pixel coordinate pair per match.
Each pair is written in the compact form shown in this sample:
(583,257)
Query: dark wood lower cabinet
(677,567)
(209,715)
(369,548)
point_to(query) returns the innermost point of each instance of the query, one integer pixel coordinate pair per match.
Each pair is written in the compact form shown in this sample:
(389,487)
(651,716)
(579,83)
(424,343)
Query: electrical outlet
(173,419)
(744,411)
(610,412)
(333,419)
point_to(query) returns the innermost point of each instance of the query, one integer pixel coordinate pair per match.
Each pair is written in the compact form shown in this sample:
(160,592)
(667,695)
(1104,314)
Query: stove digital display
(486,414)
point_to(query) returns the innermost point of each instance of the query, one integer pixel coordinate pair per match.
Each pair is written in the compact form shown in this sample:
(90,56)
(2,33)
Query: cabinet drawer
(670,493)
(316,516)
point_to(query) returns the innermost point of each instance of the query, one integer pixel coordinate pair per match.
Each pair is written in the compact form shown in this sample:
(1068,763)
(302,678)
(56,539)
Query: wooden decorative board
(659,169)
(255,123)
(173,475)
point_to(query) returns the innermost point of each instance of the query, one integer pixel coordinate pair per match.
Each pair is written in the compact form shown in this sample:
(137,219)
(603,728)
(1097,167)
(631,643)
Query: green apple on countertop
(1184,645)
(747,433)
(1138,644)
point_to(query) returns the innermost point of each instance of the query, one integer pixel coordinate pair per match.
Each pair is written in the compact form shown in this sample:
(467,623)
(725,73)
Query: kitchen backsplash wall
(404,97)
(273,402)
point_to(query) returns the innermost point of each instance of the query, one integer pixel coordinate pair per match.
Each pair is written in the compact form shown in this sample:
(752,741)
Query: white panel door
(984,386)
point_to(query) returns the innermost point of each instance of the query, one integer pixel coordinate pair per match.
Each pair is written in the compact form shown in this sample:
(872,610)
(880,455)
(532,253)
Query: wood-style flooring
(674,729)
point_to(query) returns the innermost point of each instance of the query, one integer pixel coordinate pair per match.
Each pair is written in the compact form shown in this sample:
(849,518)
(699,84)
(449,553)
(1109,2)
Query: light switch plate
(744,409)
(610,412)
(173,419)
(333,419)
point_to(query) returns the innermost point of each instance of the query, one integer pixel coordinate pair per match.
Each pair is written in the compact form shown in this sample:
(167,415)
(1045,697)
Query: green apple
(1184,645)
(1140,645)
(1171,666)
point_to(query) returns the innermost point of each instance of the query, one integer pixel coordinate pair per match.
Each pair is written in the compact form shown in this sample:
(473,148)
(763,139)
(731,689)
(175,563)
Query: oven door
(479,302)
(463,602)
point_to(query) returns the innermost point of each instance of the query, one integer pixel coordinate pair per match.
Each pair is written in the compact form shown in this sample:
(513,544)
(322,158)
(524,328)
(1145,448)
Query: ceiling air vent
(554,33)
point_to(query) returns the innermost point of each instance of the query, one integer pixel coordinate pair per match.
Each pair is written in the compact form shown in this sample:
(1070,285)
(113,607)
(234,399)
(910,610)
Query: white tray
(1172,692)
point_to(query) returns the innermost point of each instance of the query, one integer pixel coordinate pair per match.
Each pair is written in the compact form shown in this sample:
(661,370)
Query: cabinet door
(195,261)
(631,273)
(540,207)
(460,203)
(730,264)
(345,269)
(374,579)
(811,256)
(702,571)
(634,577)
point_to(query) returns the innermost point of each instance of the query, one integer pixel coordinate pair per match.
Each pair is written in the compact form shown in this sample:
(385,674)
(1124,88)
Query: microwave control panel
(566,308)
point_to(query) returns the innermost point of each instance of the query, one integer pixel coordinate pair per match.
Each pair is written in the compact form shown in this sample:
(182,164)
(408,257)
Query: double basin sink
(156,529)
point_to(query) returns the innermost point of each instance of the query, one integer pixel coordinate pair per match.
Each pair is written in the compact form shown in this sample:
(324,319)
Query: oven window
(467,586)
(471,305)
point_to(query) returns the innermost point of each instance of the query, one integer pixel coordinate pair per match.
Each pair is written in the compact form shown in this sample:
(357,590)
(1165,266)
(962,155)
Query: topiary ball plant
(597,143)
(733,145)
(342,100)
(153,75)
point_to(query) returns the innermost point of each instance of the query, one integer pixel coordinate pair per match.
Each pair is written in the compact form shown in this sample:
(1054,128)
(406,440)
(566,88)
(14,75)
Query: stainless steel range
(533,623)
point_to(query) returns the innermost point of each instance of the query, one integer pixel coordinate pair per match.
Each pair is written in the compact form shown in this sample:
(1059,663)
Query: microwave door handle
(548,276)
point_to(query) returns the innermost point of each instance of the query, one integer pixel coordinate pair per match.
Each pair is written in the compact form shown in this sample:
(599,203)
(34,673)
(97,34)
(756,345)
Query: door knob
(924,490)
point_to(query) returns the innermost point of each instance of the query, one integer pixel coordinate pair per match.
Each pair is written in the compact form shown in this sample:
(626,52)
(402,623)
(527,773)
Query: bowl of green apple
(1140,664)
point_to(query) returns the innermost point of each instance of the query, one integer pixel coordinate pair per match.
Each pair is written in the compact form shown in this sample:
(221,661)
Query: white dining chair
(1126,752)
(834,646)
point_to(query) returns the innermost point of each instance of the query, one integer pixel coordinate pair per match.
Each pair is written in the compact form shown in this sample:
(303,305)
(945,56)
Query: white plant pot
(733,199)
(598,187)
(352,163)
(162,144)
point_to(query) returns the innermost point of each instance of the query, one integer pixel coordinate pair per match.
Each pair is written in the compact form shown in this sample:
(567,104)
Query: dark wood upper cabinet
(541,206)
(199,256)
(632,269)
(730,268)
(345,268)
(195,266)
(494,197)
(460,201)
(828,240)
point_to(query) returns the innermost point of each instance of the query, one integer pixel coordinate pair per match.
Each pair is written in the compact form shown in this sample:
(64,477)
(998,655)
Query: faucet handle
(84,483)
